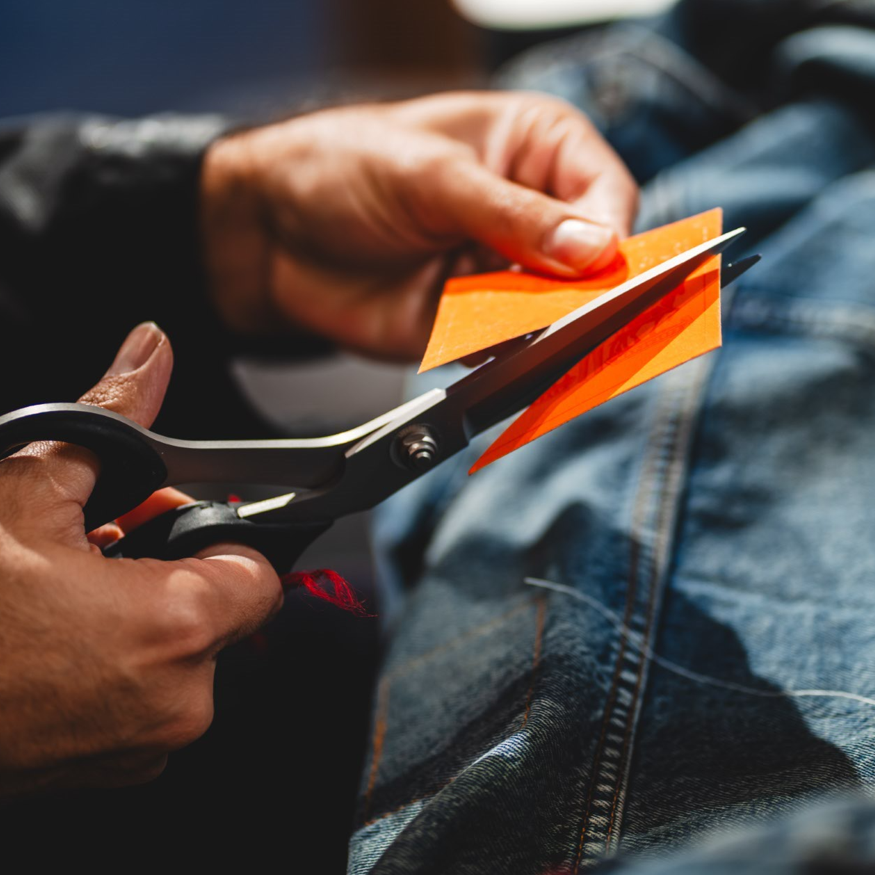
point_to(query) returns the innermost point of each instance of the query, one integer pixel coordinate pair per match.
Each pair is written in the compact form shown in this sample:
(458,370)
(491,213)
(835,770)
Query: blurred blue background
(141,56)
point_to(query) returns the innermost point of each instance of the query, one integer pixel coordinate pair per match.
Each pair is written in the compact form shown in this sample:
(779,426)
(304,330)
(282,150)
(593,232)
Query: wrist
(233,239)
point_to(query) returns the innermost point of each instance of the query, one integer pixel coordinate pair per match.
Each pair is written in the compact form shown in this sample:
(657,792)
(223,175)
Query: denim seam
(536,659)
(379,735)
(651,532)
(679,443)
(618,713)
(612,694)
(384,686)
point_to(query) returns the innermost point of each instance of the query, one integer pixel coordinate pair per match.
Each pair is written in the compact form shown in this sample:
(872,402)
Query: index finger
(563,154)
(157,503)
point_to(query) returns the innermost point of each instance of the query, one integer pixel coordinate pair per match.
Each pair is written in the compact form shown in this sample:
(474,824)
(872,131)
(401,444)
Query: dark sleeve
(98,232)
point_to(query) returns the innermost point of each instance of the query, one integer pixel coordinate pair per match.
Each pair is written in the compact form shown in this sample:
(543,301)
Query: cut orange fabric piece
(478,312)
(680,326)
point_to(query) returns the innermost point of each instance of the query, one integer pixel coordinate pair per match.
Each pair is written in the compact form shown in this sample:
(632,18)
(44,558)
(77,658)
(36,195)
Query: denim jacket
(657,623)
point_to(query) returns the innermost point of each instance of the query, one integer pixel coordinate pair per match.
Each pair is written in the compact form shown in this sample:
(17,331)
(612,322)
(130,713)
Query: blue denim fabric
(657,623)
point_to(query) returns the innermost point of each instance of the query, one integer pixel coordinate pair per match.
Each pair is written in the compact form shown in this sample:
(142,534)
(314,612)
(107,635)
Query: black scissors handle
(192,527)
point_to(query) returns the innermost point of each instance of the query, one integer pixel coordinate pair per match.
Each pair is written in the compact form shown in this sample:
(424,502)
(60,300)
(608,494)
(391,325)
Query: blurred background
(260,60)
(259,57)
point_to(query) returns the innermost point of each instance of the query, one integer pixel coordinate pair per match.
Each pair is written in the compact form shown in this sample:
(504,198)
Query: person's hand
(347,222)
(106,665)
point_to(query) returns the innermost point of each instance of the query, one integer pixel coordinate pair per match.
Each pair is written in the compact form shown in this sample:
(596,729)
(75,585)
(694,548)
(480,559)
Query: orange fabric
(157,503)
(680,326)
(477,312)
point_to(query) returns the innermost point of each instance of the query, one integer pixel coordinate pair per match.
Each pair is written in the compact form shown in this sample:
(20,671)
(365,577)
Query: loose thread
(316,582)
(341,594)
(342,597)
(636,640)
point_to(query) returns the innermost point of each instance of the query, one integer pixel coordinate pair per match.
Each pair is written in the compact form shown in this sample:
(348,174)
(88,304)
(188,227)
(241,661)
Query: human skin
(107,665)
(345,223)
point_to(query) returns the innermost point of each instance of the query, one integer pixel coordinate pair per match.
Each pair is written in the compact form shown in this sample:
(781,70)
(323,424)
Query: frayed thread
(317,583)
(340,595)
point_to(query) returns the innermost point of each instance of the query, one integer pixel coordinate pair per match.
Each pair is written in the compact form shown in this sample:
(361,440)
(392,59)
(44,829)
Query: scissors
(339,474)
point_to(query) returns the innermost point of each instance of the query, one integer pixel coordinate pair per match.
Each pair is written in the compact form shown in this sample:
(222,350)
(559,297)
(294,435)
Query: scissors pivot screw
(417,448)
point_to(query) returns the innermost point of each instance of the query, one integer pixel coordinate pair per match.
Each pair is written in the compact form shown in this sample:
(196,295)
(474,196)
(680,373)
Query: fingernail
(136,350)
(577,243)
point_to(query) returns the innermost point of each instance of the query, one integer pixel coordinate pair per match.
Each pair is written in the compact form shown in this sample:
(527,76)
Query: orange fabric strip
(682,325)
(478,312)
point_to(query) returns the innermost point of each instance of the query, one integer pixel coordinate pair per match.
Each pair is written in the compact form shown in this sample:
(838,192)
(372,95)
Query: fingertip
(157,503)
(581,246)
(138,347)
(137,379)
(246,558)
(609,253)
(104,536)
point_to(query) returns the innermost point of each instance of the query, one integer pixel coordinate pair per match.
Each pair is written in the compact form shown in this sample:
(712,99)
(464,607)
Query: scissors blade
(731,272)
(374,468)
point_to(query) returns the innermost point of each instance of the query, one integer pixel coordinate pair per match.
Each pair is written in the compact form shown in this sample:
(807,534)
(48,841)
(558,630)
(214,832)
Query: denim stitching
(609,707)
(380,725)
(676,449)
(618,715)
(660,481)
(475,631)
(688,674)
(536,657)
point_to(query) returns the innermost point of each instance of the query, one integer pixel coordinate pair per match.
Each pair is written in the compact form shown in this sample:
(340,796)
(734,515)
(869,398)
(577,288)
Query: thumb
(61,476)
(136,381)
(538,231)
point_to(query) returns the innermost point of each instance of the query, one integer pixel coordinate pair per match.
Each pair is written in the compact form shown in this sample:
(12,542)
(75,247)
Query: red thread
(315,583)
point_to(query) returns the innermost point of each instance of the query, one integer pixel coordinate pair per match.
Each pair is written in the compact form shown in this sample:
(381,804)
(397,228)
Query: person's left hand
(347,222)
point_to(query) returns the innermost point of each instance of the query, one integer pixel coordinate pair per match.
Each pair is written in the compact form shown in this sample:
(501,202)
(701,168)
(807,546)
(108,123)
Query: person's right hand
(106,665)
